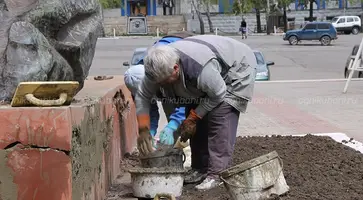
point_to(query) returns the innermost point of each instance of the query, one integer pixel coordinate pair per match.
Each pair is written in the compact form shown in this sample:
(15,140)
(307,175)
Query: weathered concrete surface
(47,40)
(67,153)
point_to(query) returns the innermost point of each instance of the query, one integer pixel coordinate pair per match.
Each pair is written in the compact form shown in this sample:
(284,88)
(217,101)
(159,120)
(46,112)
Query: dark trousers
(213,143)
(164,10)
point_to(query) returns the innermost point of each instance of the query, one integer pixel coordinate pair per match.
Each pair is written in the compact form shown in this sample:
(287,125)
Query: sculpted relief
(47,40)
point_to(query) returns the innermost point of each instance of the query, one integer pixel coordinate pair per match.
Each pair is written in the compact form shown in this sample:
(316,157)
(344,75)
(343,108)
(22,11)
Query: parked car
(347,24)
(138,54)
(322,31)
(263,70)
(357,74)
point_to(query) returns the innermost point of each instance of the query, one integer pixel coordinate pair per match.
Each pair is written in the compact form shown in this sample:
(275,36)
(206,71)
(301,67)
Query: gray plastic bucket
(256,179)
(173,158)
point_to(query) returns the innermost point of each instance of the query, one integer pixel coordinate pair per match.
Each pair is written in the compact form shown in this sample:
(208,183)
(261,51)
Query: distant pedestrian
(243,29)
(168,4)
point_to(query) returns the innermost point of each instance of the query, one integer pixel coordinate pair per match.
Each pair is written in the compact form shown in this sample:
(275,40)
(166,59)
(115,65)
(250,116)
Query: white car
(347,24)
(136,57)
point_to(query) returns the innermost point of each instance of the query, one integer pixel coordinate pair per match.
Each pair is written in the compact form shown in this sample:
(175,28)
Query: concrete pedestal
(71,152)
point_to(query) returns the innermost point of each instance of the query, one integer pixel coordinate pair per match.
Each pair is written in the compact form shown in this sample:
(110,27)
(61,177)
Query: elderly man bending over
(175,115)
(132,78)
(214,76)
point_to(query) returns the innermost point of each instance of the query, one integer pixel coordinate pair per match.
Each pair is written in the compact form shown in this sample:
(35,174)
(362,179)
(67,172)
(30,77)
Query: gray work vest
(237,60)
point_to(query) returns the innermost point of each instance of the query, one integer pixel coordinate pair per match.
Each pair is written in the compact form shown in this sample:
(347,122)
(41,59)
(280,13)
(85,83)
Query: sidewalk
(301,108)
(307,107)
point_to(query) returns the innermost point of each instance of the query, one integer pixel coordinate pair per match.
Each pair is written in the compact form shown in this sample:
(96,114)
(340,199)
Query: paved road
(306,61)
(279,108)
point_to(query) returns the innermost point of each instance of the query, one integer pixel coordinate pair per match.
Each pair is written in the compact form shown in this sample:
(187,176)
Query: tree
(284,4)
(107,4)
(207,4)
(240,7)
(311,7)
(259,5)
(197,5)
(311,10)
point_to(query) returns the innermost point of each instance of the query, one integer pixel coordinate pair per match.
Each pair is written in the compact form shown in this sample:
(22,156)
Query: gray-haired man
(213,76)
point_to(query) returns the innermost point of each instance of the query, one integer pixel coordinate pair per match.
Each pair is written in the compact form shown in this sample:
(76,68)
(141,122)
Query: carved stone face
(46,40)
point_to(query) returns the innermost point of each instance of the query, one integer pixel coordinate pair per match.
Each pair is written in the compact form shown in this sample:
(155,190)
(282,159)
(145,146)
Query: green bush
(106,4)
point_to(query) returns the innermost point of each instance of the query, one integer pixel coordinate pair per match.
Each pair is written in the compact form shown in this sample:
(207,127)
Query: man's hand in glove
(144,141)
(167,134)
(189,126)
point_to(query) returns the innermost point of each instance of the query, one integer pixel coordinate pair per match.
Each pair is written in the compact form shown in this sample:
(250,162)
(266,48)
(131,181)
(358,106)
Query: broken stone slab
(47,40)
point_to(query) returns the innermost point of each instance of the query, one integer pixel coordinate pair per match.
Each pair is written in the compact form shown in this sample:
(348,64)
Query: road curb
(127,37)
(154,37)
(307,81)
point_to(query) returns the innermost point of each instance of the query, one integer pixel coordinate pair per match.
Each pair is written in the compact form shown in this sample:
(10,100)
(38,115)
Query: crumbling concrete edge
(113,117)
(115,135)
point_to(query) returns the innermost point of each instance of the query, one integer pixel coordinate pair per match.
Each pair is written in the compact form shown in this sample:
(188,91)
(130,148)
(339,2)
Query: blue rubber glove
(167,134)
(153,132)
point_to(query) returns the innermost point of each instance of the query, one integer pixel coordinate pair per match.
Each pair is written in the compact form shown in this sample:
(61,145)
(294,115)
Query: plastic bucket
(170,158)
(256,179)
(151,182)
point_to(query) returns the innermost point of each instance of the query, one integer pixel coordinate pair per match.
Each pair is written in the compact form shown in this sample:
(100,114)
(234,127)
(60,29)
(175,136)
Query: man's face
(173,77)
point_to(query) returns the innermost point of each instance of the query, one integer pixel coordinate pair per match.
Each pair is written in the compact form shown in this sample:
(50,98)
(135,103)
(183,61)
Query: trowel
(180,145)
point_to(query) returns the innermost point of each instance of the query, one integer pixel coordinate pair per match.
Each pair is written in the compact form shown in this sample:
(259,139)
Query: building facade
(155,7)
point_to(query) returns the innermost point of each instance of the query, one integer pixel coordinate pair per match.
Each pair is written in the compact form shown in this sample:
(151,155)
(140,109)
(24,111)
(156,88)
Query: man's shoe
(194,176)
(208,183)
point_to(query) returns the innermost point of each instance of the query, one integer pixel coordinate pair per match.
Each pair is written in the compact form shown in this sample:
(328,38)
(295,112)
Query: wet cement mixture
(315,168)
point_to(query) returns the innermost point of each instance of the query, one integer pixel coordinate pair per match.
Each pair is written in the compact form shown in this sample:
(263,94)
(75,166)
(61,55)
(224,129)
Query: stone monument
(47,40)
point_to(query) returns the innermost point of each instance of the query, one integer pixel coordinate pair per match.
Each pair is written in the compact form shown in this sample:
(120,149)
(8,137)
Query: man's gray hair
(159,62)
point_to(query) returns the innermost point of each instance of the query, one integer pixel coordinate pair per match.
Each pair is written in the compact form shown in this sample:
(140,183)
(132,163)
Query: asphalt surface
(308,60)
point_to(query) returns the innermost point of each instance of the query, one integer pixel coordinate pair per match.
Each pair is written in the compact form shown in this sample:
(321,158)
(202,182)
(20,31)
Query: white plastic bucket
(256,179)
(148,182)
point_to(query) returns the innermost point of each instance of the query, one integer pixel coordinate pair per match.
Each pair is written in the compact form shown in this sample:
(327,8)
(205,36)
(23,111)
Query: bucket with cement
(150,182)
(256,179)
(170,157)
